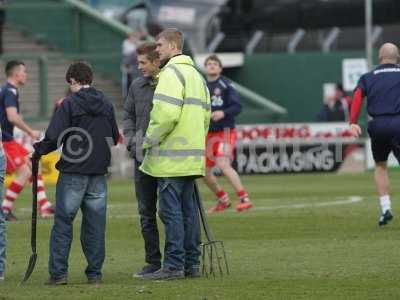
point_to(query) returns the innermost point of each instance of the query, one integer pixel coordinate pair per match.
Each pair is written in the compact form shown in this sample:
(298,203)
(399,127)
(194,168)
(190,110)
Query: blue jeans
(3,238)
(179,213)
(146,195)
(89,193)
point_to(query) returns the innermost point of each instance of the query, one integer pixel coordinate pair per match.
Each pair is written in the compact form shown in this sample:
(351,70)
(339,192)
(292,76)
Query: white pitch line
(348,201)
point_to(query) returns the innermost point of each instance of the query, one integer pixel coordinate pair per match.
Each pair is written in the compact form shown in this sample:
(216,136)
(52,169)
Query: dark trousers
(146,195)
(179,213)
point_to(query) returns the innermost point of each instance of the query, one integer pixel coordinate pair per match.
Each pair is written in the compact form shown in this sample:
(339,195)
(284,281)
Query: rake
(33,258)
(214,259)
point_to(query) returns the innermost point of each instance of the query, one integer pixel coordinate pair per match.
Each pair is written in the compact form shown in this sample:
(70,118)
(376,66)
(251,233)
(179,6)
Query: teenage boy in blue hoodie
(84,125)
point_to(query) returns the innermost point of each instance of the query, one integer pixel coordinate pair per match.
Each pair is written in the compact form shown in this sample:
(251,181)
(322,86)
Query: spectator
(337,107)
(129,61)
(137,109)
(175,154)
(83,122)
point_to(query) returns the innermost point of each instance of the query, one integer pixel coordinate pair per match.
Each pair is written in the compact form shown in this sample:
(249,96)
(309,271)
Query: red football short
(220,144)
(16,155)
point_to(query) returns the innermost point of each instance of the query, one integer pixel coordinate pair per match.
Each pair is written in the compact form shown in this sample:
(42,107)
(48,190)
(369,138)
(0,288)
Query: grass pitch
(309,237)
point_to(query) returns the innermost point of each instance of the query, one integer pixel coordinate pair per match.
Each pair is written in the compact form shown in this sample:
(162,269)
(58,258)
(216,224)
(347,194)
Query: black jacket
(339,112)
(137,108)
(85,126)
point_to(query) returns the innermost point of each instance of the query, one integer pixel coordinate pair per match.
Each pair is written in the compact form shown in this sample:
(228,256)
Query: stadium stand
(280,19)
(82,32)
(39,58)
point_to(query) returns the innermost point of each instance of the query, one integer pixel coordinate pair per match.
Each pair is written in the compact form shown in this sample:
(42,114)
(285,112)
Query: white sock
(385,203)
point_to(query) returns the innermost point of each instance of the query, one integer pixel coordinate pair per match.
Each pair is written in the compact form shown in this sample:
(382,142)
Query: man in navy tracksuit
(382,89)
(84,124)
(221,139)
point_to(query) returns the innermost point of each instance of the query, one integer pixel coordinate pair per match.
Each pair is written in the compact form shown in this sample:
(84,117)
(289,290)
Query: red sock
(12,193)
(222,196)
(243,196)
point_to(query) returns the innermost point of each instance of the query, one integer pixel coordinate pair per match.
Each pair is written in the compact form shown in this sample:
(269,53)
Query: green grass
(276,251)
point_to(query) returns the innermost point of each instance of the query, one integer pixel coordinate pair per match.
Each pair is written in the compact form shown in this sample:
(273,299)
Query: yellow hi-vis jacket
(176,136)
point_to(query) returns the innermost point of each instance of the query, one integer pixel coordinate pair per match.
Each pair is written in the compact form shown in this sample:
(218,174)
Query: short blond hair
(172,35)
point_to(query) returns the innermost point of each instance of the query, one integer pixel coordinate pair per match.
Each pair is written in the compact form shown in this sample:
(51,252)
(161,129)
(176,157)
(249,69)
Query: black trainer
(165,274)
(94,281)
(147,269)
(57,281)
(10,217)
(385,218)
(193,272)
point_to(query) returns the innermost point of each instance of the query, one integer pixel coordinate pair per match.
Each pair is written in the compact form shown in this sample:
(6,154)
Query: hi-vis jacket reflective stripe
(179,121)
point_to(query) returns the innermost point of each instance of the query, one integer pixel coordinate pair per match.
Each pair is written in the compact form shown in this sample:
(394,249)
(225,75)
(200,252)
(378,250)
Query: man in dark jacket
(337,107)
(84,125)
(137,109)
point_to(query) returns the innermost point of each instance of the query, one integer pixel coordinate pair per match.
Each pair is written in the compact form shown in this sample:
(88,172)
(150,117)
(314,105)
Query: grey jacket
(137,108)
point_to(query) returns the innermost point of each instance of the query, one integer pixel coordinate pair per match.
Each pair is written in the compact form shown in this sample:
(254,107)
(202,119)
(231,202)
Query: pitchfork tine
(210,248)
(225,259)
